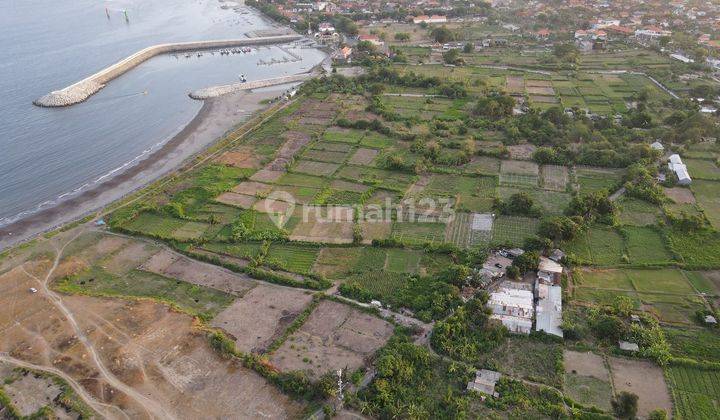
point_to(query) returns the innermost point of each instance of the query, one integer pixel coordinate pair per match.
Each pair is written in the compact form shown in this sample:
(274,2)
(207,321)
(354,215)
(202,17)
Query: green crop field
(596,179)
(242,250)
(166,227)
(660,281)
(417,232)
(598,246)
(403,260)
(694,343)
(646,245)
(702,169)
(697,249)
(701,282)
(696,392)
(707,194)
(513,230)
(295,258)
(638,212)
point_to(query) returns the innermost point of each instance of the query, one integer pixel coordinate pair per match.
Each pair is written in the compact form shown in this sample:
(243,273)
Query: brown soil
(540,90)
(643,378)
(267,175)
(586,364)
(335,336)
(258,318)
(680,195)
(518,166)
(154,350)
(237,200)
(348,186)
(363,156)
(240,158)
(172,265)
(522,152)
(252,188)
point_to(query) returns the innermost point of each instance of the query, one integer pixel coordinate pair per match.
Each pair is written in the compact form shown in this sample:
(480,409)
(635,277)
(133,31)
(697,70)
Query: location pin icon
(279,206)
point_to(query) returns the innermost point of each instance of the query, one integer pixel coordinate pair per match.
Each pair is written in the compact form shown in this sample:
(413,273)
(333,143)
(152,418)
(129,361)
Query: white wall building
(514,308)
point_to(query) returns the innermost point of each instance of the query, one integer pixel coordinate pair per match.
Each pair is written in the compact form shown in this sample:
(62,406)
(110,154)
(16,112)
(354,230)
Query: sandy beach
(216,117)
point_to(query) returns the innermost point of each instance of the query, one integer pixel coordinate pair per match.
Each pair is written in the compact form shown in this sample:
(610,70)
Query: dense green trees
(412,383)
(494,106)
(468,333)
(518,204)
(442,34)
(594,206)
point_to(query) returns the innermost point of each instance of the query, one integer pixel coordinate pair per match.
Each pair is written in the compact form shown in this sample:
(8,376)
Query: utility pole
(340,389)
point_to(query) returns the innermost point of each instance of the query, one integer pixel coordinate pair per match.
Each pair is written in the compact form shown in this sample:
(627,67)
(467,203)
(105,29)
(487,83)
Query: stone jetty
(85,88)
(215,91)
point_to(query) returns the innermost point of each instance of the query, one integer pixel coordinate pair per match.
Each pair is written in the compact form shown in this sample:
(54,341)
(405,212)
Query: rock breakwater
(80,91)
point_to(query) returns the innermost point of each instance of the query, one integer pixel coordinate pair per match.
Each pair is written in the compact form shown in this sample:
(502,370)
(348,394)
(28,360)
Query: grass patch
(193,299)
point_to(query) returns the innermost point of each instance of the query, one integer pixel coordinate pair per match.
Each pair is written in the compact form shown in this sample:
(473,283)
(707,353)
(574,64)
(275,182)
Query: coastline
(216,117)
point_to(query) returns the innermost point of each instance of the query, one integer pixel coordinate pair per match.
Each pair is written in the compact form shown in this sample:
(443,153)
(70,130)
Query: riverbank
(216,117)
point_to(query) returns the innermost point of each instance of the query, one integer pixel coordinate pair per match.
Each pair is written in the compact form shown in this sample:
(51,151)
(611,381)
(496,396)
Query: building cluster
(520,305)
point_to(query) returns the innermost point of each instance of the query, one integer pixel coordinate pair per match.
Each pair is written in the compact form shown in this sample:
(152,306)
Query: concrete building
(484,382)
(549,271)
(430,19)
(548,311)
(513,307)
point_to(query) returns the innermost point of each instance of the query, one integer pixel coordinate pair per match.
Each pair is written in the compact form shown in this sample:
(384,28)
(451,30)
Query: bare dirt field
(267,175)
(375,230)
(540,90)
(339,184)
(242,157)
(680,195)
(515,84)
(311,167)
(151,349)
(324,229)
(252,188)
(172,265)
(643,378)
(363,156)
(261,316)
(237,200)
(519,166)
(335,336)
(521,151)
(586,364)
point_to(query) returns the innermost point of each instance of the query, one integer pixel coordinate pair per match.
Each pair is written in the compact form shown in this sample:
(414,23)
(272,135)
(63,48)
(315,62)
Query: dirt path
(152,408)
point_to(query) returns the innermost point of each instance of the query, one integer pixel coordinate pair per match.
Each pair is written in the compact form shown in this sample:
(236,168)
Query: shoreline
(216,117)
